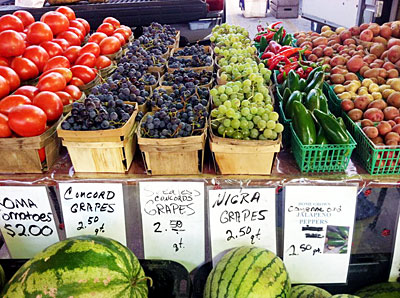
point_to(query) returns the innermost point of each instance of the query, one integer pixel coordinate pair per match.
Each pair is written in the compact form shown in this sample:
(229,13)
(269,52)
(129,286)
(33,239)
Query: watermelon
(83,266)
(381,290)
(307,291)
(248,272)
(344,296)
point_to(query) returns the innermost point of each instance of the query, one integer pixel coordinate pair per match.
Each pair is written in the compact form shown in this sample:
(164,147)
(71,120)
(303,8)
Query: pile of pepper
(271,33)
(304,102)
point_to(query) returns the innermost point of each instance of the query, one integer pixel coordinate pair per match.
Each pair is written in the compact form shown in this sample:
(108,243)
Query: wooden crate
(109,151)
(241,157)
(176,156)
(21,155)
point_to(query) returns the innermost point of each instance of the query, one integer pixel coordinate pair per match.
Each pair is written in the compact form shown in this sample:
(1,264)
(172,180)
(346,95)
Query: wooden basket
(21,155)
(68,108)
(176,156)
(208,50)
(107,71)
(108,151)
(242,157)
(176,43)
(87,88)
(116,56)
(219,80)
(159,69)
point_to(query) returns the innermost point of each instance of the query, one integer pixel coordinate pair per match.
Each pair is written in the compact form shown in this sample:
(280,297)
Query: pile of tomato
(52,50)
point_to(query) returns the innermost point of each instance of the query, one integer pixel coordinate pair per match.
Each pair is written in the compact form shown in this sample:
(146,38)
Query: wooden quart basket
(107,151)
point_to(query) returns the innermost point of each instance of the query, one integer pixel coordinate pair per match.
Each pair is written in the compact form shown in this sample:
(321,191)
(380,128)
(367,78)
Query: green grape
(217,102)
(245,132)
(229,131)
(261,124)
(245,103)
(221,115)
(256,119)
(223,97)
(235,123)
(214,92)
(278,128)
(222,109)
(233,96)
(263,89)
(244,124)
(236,102)
(261,137)
(228,90)
(259,79)
(237,115)
(263,71)
(228,104)
(274,135)
(258,97)
(252,77)
(246,139)
(236,88)
(246,89)
(245,111)
(221,130)
(214,113)
(265,117)
(212,38)
(274,116)
(247,83)
(227,122)
(240,67)
(254,133)
(221,89)
(271,124)
(269,107)
(230,113)
(253,110)
(240,96)
(224,77)
(267,133)
(237,135)
(260,111)
(251,123)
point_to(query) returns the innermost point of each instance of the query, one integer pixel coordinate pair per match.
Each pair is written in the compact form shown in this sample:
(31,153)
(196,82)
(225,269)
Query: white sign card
(318,229)
(93,209)
(173,221)
(395,269)
(241,216)
(26,220)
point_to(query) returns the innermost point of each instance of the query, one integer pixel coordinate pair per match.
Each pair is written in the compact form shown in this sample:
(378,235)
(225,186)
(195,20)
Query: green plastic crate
(286,124)
(334,102)
(321,158)
(377,160)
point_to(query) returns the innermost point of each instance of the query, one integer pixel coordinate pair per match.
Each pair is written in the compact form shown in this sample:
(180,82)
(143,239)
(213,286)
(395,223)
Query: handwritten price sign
(26,220)
(173,221)
(93,209)
(243,216)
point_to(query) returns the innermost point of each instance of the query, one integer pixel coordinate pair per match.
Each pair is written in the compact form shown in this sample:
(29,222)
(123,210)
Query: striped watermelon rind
(248,272)
(308,291)
(381,290)
(83,266)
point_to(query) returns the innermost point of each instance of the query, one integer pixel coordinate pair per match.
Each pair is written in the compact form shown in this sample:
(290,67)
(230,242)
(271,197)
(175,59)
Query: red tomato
(76,82)
(66,72)
(124,32)
(65,97)
(86,74)
(11,44)
(109,45)
(23,35)
(50,103)
(120,37)
(39,32)
(4,61)
(85,24)
(113,21)
(103,62)
(72,53)
(57,21)
(5,131)
(52,81)
(68,12)
(78,25)
(11,76)
(71,37)
(27,120)
(97,37)
(90,47)
(4,87)
(129,30)
(106,28)
(77,32)
(28,91)
(87,59)
(62,43)
(25,16)
(55,62)
(11,22)
(42,154)
(25,68)
(11,101)
(74,91)
(37,55)
(52,48)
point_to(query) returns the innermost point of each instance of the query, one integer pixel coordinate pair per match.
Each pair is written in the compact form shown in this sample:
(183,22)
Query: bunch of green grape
(243,71)
(225,29)
(233,41)
(227,53)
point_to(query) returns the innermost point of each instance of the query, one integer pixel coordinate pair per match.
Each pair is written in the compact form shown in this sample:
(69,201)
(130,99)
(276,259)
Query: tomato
(90,47)
(77,32)
(52,48)
(11,101)
(85,73)
(4,87)
(85,24)
(65,97)
(5,131)
(37,55)
(120,37)
(50,103)
(106,28)
(72,53)
(11,76)
(71,37)
(11,44)
(76,82)
(23,35)
(52,81)
(109,45)
(4,61)
(27,120)
(39,32)
(97,37)
(25,16)
(74,91)
(25,68)
(55,62)
(129,30)
(28,91)
(113,21)
(57,21)
(103,62)
(124,32)
(11,22)
(68,12)
(78,25)
(42,154)
(87,59)
(64,44)
(66,73)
